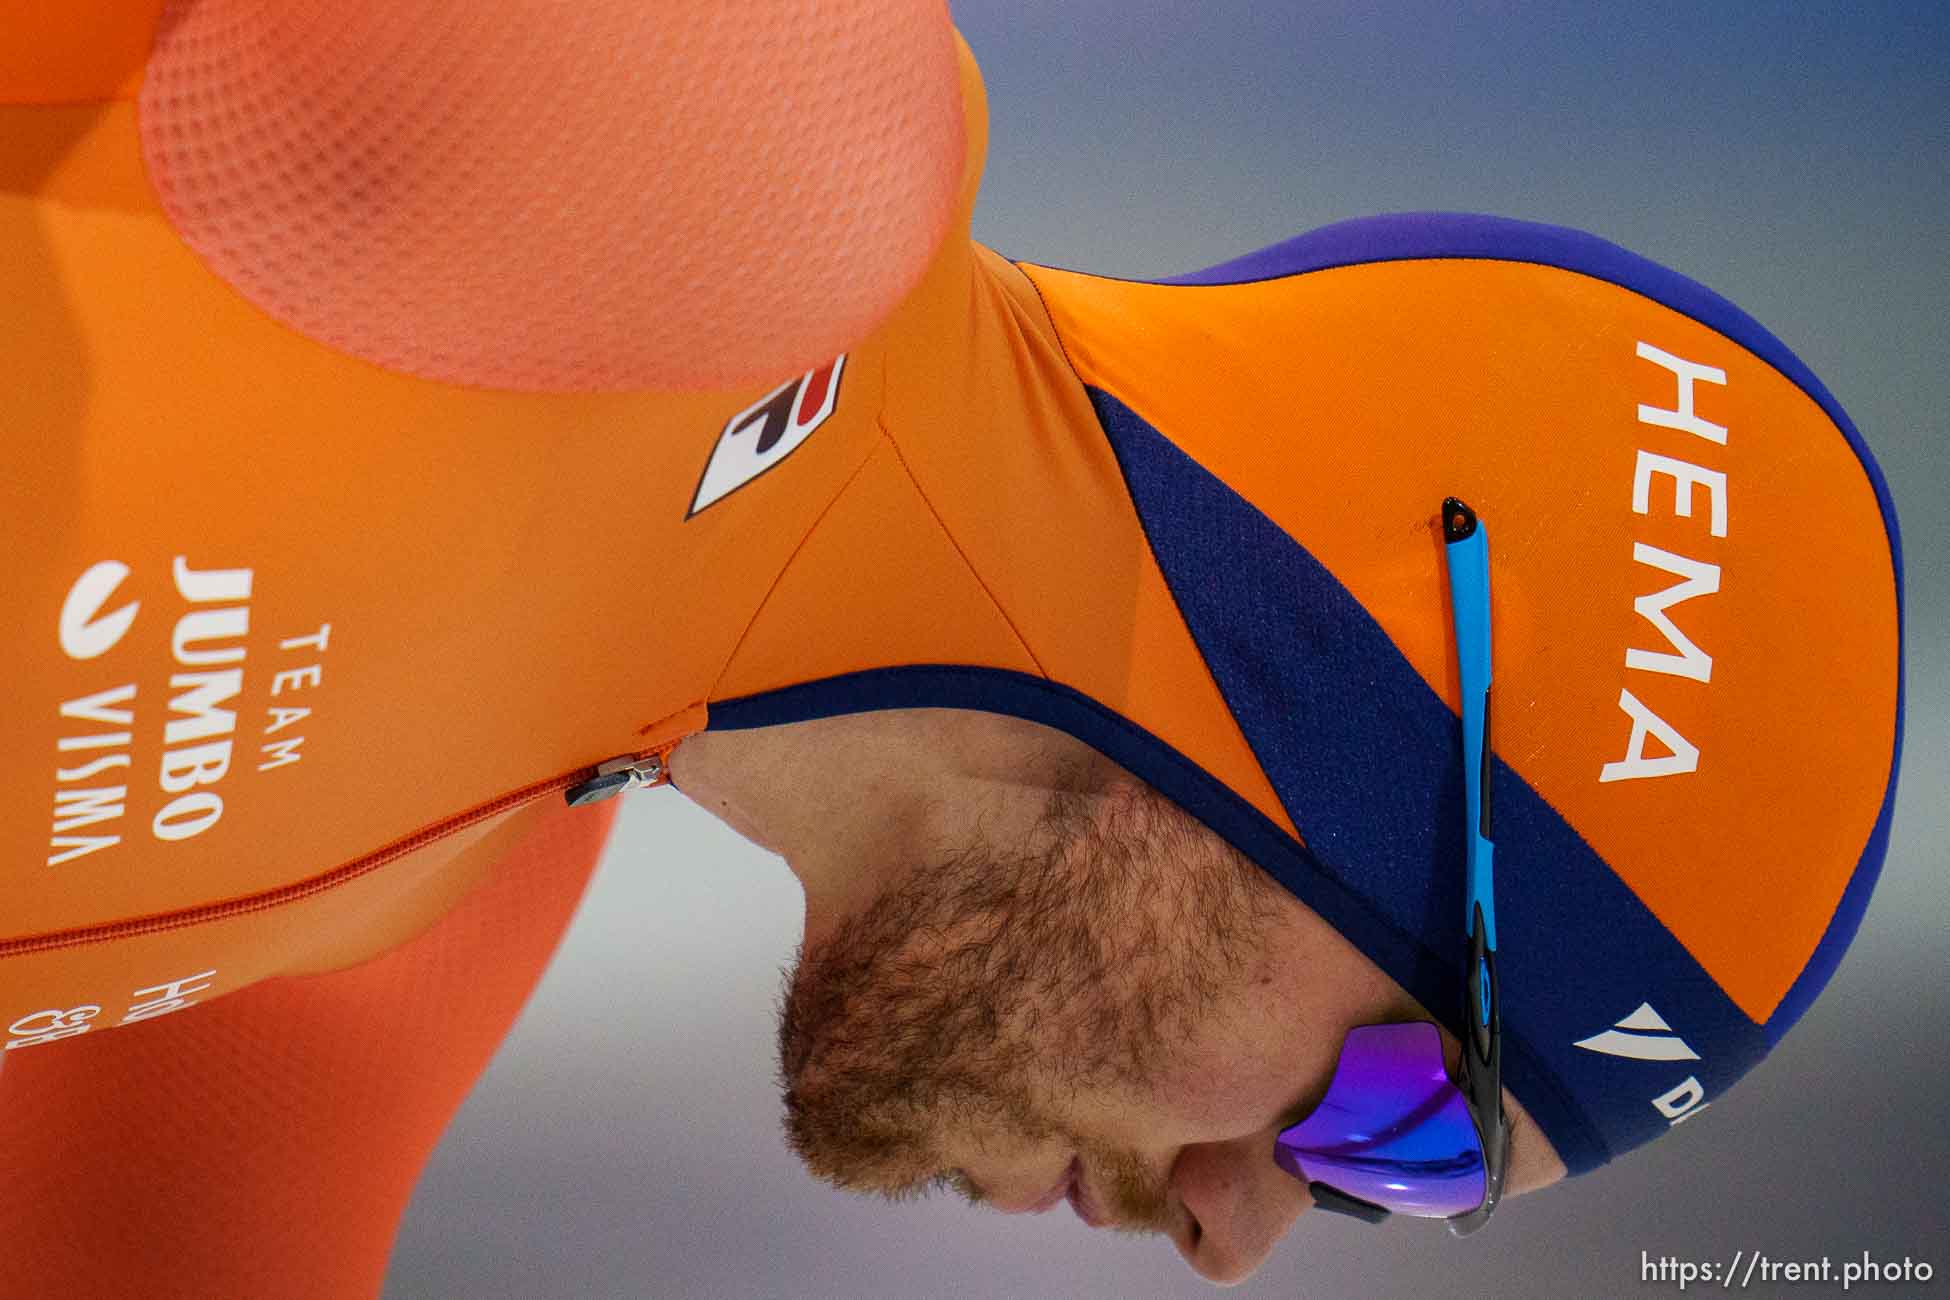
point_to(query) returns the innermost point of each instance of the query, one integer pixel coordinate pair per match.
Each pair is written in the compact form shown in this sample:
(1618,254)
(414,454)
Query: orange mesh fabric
(265,1143)
(593,197)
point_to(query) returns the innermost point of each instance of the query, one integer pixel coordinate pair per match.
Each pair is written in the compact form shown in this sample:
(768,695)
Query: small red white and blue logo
(767,431)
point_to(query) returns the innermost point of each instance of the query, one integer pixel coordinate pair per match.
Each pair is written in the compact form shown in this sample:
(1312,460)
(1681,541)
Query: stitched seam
(759,610)
(1049,318)
(966,563)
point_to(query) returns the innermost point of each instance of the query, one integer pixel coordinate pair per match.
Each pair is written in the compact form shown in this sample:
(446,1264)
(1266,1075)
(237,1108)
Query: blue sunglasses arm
(1468,554)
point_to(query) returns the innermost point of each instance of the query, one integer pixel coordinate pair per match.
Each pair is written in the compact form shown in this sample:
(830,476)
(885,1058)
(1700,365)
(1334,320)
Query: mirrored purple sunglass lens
(1392,1130)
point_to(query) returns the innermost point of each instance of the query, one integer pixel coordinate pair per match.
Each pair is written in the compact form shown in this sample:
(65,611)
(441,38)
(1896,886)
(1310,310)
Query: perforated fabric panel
(266,1143)
(601,196)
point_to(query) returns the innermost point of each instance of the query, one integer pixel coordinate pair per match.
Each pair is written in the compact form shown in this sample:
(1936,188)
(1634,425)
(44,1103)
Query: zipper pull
(629,772)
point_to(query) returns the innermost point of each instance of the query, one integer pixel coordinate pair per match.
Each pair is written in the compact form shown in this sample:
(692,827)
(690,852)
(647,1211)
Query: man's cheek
(1225,1091)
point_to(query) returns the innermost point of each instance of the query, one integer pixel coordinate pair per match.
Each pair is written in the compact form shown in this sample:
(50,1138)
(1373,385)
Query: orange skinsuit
(309,638)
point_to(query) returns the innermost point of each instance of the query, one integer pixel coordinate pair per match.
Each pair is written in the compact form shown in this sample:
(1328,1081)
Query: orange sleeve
(265,1144)
(676,195)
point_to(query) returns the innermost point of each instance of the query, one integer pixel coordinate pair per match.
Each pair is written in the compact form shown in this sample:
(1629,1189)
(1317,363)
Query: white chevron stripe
(1644,1018)
(1640,1047)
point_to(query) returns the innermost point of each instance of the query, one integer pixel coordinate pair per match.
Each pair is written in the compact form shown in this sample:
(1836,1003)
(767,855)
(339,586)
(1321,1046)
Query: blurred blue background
(625,1141)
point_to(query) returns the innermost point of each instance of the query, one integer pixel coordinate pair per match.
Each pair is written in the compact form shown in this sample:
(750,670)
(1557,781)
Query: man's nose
(1240,1203)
